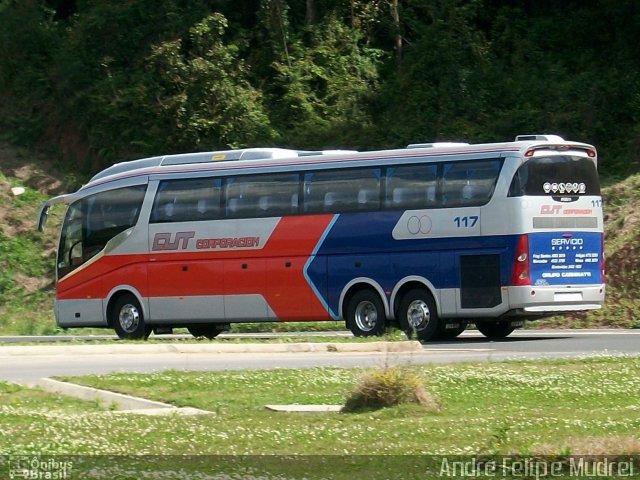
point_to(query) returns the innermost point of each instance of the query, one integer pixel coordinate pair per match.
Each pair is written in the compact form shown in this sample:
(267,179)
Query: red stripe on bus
(276,272)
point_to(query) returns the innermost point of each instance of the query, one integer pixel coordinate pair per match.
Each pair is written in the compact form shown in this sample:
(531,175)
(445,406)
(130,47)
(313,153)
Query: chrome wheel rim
(129,318)
(418,314)
(366,316)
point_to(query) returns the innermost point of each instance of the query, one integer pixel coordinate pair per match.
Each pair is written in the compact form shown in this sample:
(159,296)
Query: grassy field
(547,407)
(532,410)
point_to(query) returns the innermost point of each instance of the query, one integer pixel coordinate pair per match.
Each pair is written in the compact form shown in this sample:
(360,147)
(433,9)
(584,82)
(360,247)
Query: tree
(320,92)
(198,87)
(394,7)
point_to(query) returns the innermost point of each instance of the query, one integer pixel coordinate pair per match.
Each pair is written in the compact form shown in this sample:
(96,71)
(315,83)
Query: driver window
(91,222)
(70,250)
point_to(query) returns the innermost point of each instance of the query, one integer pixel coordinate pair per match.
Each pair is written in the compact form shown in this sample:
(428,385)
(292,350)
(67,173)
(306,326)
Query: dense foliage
(116,80)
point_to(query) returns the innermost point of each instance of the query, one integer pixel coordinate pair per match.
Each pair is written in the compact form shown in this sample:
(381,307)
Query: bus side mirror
(42,217)
(44,209)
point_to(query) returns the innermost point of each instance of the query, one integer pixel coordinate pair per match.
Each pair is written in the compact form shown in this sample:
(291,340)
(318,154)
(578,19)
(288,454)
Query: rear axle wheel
(495,329)
(417,315)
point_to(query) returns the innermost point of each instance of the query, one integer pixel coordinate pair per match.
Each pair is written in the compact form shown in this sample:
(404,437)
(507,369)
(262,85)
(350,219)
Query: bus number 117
(466,222)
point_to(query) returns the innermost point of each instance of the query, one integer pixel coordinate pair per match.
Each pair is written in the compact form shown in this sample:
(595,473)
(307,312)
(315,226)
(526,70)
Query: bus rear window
(556,175)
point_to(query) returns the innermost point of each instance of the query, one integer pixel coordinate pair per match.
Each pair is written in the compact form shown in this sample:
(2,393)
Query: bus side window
(412,186)
(455,186)
(235,200)
(108,214)
(187,200)
(261,195)
(469,183)
(351,190)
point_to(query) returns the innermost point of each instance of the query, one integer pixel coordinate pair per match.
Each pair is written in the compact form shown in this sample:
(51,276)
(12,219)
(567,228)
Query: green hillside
(27,258)
(622,220)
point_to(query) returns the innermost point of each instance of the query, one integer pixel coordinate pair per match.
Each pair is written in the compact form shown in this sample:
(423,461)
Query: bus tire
(128,320)
(449,333)
(418,316)
(494,329)
(207,331)
(366,315)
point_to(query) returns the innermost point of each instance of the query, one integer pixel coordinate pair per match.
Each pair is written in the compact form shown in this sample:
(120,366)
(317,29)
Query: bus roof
(526,145)
(209,158)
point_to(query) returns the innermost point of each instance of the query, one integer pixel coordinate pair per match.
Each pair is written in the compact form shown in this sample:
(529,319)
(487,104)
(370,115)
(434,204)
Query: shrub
(388,387)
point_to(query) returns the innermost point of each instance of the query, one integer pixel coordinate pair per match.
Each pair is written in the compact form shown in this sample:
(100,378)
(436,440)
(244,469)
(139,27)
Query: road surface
(31,364)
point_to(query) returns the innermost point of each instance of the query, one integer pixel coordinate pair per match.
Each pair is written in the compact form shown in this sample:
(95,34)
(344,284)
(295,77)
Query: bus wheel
(417,315)
(495,329)
(127,319)
(207,331)
(365,314)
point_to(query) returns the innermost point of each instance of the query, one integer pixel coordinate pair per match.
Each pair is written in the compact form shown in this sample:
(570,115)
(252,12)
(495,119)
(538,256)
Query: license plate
(567,297)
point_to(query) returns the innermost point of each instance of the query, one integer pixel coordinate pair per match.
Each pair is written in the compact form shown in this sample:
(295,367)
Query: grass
(528,408)
(545,407)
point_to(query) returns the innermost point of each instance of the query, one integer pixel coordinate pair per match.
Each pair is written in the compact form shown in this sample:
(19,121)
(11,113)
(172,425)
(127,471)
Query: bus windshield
(92,221)
(556,175)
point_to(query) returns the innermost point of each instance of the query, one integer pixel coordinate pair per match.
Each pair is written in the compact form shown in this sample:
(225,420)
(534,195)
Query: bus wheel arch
(364,310)
(125,314)
(406,285)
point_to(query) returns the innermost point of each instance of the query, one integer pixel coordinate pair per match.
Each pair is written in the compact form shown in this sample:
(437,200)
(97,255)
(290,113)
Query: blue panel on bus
(362,245)
(565,258)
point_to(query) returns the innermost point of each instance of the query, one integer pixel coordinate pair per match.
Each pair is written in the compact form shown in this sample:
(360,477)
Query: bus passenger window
(469,183)
(187,200)
(342,191)
(261,195)
(412,186)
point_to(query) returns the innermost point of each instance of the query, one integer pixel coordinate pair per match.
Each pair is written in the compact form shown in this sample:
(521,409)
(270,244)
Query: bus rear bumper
(546,300)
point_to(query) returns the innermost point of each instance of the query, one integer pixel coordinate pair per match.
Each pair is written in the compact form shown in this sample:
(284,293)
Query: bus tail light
(520,274)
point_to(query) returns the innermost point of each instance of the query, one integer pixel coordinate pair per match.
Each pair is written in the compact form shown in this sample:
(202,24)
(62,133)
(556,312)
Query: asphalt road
(32,363)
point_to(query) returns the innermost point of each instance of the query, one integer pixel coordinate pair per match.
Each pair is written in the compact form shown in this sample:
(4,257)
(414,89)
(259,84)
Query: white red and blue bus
(427,238)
